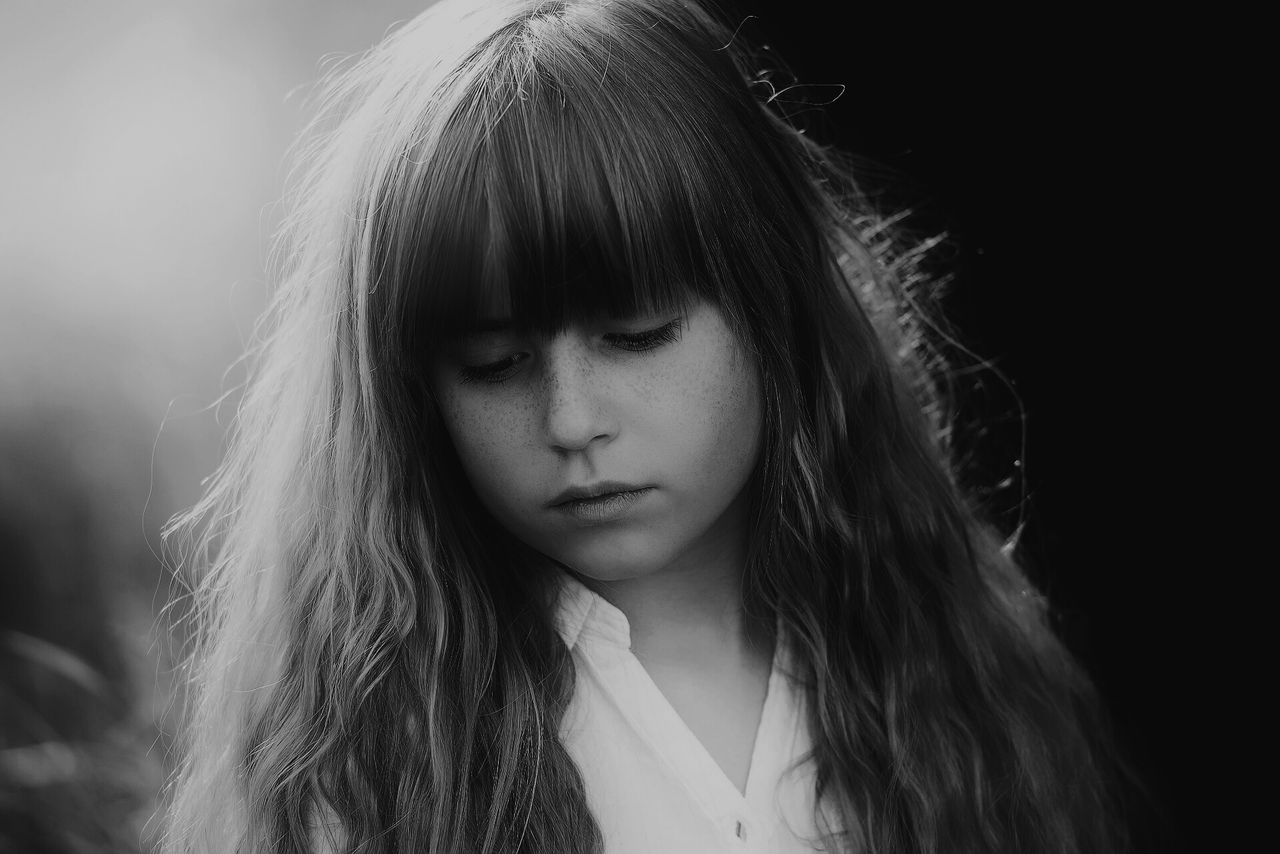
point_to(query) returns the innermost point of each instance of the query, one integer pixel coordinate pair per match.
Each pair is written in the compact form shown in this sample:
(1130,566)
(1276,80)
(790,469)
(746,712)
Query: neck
(689,613)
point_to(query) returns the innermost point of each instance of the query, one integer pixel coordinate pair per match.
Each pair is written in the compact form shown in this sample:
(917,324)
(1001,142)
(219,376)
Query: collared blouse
(650,783)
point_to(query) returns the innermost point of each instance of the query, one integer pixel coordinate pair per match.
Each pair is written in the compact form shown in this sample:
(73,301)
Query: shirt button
(740,830)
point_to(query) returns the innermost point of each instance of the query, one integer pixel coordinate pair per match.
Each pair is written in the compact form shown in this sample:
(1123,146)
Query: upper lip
(593,490)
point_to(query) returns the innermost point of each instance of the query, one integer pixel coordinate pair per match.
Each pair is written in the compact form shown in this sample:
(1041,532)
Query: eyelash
(635,342)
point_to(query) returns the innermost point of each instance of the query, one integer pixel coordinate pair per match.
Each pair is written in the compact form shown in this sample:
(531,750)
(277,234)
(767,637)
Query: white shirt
(652,786)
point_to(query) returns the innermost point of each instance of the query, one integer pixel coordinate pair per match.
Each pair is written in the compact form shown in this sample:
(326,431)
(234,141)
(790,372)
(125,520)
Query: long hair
(377,668)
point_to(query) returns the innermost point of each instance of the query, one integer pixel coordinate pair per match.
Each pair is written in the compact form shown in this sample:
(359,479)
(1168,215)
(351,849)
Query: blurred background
(141,157)
(142,152)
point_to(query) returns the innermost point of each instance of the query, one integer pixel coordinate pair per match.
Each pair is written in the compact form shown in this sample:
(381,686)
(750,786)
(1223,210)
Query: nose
(576,399)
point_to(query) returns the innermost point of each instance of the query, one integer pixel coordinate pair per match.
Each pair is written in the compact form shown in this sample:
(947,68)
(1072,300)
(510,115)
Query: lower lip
(604,508)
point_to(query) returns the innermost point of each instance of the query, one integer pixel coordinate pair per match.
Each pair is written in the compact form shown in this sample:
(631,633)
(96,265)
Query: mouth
(594,492)
(599,503)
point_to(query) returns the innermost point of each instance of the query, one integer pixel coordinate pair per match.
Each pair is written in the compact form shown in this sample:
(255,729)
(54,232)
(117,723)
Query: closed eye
(494,372)
(649,339)
(505,368)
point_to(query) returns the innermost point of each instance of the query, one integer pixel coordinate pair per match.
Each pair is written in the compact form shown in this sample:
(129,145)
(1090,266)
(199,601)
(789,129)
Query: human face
(665,407)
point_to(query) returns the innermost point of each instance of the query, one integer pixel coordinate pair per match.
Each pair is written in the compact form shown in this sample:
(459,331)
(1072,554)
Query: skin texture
(683,417)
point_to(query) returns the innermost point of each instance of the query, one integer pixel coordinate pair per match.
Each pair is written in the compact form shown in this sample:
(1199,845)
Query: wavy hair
(376,666)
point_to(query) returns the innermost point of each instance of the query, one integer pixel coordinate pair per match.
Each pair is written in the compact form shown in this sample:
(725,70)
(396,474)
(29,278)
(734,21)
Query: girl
(592,491)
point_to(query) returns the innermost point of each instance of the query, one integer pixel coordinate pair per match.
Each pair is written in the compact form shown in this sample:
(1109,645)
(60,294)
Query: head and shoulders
(545,250)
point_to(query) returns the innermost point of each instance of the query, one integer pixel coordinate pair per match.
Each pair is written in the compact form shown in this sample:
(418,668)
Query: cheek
(488,440)
(738,417)
(721,421)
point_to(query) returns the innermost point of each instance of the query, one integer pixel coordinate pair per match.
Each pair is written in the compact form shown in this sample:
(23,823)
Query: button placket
(741,831)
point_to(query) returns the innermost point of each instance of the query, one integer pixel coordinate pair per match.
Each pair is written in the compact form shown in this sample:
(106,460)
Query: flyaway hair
(376,667)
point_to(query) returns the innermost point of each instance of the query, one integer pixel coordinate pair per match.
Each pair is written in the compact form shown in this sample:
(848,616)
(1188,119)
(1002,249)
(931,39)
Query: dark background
(1044,144)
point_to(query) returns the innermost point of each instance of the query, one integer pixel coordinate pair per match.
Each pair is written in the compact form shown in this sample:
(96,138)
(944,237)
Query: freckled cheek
(722,414)
(492,444)
(739,409)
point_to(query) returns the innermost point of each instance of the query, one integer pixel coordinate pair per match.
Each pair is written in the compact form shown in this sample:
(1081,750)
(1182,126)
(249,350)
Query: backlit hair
(377,667)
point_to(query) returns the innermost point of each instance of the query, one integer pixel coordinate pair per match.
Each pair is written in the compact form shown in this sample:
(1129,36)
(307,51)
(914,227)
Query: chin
(614,563)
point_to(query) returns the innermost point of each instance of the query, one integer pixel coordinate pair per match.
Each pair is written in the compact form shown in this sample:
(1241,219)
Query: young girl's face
(661,413)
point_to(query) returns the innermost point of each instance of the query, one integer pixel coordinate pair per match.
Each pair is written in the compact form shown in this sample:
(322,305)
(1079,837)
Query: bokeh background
(142,147)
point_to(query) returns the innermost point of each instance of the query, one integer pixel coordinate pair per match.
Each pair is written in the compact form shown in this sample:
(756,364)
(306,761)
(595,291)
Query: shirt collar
(584,616)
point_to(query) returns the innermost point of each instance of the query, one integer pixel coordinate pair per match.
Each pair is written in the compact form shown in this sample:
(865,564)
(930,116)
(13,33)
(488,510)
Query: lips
(595,490)
(596,507)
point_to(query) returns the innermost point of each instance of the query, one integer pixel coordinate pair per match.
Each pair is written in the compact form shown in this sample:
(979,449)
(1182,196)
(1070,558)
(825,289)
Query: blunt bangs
(597,162)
